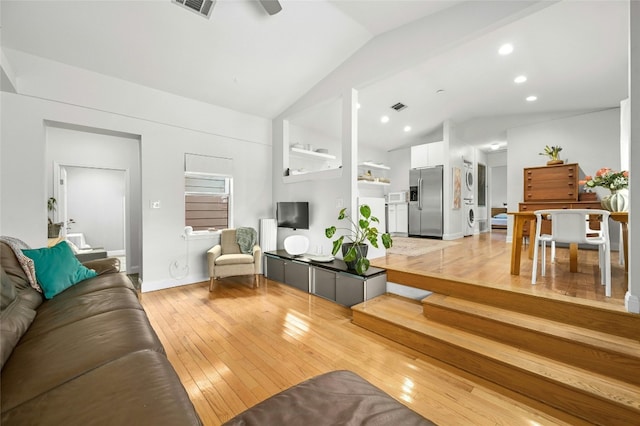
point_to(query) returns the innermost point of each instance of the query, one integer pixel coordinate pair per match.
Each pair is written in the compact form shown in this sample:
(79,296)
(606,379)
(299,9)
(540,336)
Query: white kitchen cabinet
(402,218)
(436,154)
(391,216)
(419,156)
(427,155)
(398,215)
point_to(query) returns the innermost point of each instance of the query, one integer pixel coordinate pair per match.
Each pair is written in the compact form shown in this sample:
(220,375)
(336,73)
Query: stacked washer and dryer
(469,203)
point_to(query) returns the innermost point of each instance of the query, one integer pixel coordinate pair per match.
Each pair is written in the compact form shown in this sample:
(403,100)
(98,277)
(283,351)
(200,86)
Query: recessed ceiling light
(384,119)
(520,79)
(506,49)
(407,128)
(495,146)
(532,98)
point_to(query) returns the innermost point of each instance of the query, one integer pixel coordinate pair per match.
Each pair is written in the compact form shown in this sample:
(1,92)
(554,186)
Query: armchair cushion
(234,259)
(228,242)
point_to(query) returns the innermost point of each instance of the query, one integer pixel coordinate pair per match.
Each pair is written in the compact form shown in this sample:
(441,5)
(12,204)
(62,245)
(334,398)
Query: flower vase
(618,201)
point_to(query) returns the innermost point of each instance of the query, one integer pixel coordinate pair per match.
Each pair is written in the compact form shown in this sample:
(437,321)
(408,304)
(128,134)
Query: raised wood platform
(574,357)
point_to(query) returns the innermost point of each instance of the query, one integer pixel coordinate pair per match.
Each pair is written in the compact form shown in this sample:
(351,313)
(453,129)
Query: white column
(632,298)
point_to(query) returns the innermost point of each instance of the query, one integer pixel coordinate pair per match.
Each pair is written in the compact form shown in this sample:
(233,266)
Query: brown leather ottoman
(335,398)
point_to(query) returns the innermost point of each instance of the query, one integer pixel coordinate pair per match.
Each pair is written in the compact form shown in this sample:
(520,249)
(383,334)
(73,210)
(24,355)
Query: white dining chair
(572,226)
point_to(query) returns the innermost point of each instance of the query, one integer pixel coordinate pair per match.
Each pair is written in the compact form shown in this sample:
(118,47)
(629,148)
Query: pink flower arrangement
(607,178)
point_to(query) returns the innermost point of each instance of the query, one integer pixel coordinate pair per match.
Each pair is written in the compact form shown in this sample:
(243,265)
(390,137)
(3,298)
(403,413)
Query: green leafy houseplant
(553,152)
(53,229)
(51,207)
(360,232)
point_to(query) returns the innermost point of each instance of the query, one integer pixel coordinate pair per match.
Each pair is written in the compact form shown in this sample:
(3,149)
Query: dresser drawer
(532,207)
(551,183)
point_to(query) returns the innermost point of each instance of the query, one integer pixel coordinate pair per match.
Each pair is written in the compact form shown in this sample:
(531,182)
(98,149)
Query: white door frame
(60,192)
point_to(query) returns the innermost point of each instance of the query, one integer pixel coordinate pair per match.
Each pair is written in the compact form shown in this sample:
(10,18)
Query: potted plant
(53,228)
(354,252)
(553,152)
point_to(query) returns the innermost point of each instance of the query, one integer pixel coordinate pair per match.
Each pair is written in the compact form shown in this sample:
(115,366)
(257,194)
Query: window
(207,201)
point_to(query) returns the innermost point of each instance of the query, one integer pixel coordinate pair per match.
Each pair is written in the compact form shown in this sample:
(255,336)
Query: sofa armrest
(107,265)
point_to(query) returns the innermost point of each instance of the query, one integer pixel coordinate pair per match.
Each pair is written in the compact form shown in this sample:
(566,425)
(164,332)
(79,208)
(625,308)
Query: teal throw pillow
(57,268)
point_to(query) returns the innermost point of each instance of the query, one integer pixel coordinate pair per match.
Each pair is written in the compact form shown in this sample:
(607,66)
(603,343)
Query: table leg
(532,237)
(516,245)
(573,257)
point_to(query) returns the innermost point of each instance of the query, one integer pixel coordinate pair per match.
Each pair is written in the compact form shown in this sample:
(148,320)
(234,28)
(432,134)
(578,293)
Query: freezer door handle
(420,194)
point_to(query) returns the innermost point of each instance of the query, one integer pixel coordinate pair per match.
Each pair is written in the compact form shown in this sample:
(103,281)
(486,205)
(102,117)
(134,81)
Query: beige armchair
(226,259)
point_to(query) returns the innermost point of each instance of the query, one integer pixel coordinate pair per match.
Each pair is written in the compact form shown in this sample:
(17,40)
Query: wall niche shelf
(315,175)
(374,165)
(372,183)
(311,154)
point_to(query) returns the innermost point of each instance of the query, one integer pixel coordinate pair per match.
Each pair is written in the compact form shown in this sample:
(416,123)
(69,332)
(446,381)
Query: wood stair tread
(626,346)
(407,313)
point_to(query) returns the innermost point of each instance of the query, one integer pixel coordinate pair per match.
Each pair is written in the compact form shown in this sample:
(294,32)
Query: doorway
(82,193)
(95,176)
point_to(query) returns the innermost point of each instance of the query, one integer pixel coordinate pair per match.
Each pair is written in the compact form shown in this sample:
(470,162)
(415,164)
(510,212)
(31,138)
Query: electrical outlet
(155,204)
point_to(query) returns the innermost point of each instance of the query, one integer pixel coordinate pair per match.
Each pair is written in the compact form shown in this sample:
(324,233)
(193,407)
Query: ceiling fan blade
(271,6)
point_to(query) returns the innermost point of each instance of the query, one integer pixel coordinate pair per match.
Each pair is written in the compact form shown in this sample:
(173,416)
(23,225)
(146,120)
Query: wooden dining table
(519,220)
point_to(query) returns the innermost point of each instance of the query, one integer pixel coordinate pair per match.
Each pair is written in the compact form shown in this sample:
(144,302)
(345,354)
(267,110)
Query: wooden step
(582,313)
(587,395)
(595,351)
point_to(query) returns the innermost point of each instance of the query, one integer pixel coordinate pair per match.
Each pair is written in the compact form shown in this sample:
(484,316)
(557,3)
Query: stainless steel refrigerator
(425,202)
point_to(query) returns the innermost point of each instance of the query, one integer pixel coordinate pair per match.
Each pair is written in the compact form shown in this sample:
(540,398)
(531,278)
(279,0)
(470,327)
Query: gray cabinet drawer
(275,269)
(297,275)
(325,283)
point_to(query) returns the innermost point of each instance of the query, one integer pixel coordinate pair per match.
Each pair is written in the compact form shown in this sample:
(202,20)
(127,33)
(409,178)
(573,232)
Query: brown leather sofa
(89,355)
(335,398)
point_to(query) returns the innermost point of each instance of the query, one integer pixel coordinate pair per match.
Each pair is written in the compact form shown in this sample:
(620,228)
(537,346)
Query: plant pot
(618,201)
(361,251)
(554,162)
(54,230)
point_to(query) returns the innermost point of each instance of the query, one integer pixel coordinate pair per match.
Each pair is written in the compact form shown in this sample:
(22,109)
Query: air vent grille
(399,106)
(201,7)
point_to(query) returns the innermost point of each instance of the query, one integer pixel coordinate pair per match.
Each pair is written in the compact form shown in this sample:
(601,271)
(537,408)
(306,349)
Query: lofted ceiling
(574,54)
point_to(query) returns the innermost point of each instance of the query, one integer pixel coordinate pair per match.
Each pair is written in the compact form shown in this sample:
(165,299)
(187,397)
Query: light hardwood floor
(236,346)
(484,259)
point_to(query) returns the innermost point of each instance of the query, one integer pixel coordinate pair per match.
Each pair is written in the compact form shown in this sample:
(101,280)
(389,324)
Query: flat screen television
(292,214)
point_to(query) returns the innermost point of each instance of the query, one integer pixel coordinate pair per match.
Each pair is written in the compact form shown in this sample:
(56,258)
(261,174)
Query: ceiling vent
(201,7)
(399,106)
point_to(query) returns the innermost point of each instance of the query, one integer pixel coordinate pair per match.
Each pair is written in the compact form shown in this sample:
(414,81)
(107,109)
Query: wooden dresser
(552,187)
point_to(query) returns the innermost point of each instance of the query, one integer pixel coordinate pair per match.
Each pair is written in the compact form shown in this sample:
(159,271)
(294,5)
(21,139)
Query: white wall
(168,127)
(95,201)
(592,140)
(400,163)
(498,186)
